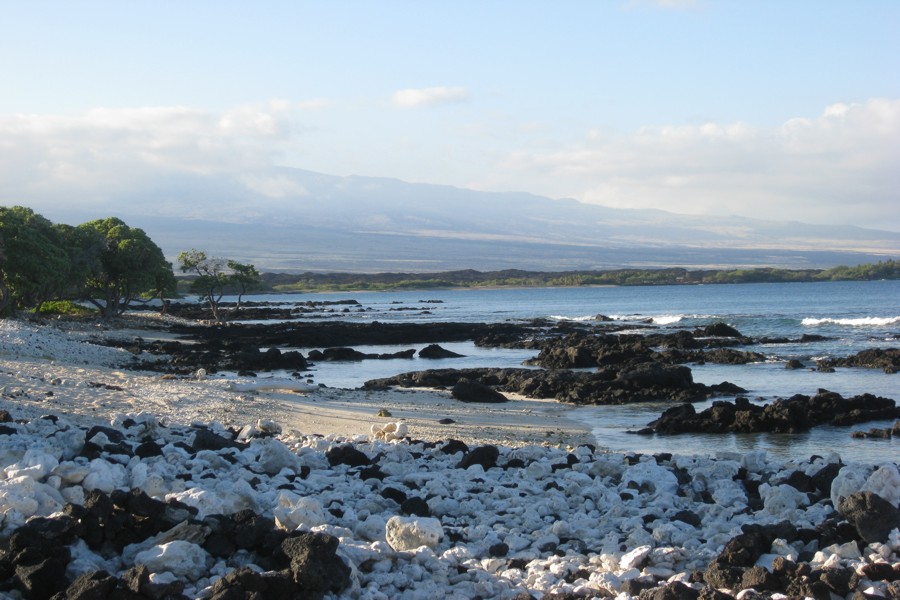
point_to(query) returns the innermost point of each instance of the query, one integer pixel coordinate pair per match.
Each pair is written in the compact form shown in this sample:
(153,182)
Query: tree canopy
(104,262)
(214,277)
(121,263)
(35,265)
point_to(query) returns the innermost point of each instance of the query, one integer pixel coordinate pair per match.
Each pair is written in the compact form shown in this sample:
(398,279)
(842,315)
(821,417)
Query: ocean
(852,315)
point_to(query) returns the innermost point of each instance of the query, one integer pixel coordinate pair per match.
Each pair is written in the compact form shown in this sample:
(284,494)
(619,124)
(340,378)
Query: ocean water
(853,315)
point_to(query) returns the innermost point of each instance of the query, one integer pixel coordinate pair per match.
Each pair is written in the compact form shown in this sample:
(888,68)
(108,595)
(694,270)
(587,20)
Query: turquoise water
(853,315)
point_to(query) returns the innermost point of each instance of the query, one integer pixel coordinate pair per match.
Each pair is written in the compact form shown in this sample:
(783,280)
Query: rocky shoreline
(796,414)
(141,510)
(627,367)
(118,501)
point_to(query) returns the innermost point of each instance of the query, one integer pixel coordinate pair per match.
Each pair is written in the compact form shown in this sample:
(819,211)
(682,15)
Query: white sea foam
(578,319)
(632,318)
(667,319)
(659,320)
(859,322)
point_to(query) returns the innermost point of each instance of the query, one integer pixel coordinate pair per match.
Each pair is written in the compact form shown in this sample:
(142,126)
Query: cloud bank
(55,161)
(837,168)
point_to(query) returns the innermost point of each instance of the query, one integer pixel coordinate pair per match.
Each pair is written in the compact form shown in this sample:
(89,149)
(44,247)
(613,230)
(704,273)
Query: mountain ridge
(291,219)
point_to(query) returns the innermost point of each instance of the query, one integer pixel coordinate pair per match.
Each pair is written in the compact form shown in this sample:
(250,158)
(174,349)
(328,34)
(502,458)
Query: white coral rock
(409,533)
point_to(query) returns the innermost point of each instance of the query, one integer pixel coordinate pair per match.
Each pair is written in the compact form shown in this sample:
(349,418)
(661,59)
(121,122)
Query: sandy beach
(52,368)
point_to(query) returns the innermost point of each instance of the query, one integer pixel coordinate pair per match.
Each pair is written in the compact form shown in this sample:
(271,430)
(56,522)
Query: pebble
(496,531)
(502,523)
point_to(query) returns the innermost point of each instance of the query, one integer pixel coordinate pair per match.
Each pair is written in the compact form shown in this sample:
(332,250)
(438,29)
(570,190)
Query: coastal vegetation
(103,266)
(214,276)
(286,282)
(104,262)
(110,265)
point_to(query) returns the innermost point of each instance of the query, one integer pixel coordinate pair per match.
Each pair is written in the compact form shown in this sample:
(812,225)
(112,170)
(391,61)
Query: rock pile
(640,382)
(138,510)
(876,358)
(793,415)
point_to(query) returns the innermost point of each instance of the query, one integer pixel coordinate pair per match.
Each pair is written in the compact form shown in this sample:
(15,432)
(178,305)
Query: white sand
(54,369)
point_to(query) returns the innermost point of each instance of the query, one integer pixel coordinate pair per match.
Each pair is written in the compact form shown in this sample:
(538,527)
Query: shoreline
(150,482)
(50,380)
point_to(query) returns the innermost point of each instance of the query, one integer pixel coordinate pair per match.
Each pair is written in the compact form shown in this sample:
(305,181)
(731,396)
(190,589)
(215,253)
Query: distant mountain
(295,220)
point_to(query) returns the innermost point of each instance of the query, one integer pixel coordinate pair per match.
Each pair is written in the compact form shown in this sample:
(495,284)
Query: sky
(768,109)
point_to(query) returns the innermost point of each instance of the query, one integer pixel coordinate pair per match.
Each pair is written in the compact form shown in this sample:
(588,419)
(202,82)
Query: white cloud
(108,151)
(840,167)
(415,98)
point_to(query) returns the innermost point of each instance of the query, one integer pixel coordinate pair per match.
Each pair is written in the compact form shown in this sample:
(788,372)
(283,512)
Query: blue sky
(777,110)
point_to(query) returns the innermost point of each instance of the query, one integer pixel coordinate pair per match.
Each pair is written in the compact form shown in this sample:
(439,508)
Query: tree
(215,276)
(35,267)
(119,263)
(245,278)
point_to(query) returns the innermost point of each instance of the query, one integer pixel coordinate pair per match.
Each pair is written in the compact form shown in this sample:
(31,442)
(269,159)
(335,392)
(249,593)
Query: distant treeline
(286,282)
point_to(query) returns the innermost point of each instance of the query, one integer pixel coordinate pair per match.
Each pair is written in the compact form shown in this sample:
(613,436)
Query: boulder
(204,439)
(466,390)
(389,431)
(346,455)
(315,566)
(656,375)
(91,585)
(246,583)
(486,456)
(293,512)
(41,579)
(873,516)
(721,330)
(671,591)
(435,351)
(885,482)
(409,533)
(273,456)
(415,507)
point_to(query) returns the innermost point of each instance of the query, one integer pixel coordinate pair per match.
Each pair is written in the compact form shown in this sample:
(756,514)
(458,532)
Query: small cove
(850,316)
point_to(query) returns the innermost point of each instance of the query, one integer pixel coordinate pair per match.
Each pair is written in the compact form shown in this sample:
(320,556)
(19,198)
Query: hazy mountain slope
(299,220)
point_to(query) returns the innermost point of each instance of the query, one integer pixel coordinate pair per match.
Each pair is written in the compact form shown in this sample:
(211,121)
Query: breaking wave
(656,320)
(578,319)
(860,322)
(667,319)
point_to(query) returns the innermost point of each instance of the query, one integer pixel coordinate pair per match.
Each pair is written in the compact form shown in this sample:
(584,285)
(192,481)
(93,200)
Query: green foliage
(63,307)
(889,269)
(35,265)
(214,277)
(119,264)
(105,262)
(243,277)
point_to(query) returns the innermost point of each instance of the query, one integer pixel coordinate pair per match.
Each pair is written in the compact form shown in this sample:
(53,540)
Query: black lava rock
(347,455)
(873,516)
(486,456)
